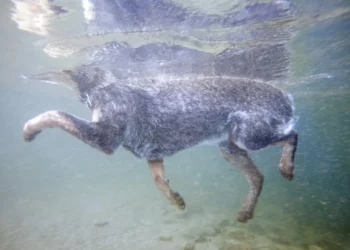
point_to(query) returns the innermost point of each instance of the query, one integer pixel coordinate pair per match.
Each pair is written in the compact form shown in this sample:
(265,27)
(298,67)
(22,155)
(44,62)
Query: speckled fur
(161,116)
(158,115)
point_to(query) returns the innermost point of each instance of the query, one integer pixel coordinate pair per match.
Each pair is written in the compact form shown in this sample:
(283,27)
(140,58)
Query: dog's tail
(54,77)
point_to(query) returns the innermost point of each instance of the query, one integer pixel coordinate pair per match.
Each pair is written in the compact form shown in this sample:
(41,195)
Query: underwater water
(58,193)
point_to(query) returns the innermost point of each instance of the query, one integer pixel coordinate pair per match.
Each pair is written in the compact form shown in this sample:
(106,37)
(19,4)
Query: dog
(157,115)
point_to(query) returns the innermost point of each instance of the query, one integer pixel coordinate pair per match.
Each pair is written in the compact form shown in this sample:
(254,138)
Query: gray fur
(155,115)
(159,117)
(161,114)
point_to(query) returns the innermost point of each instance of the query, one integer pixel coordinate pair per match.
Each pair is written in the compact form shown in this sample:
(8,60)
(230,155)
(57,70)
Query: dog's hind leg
(98,135)
(158,174)
(239,158)
(289,146)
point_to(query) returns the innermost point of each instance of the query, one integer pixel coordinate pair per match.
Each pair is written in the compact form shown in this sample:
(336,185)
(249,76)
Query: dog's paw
(287,169)
(29,132)
(179,201)
(244,215)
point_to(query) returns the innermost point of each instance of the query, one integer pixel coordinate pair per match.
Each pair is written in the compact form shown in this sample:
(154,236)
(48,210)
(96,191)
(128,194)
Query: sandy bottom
(100,202)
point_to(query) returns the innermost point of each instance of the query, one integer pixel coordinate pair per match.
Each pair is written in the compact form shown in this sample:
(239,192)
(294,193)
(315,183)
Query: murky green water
(57,193)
